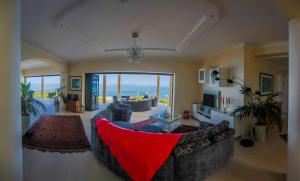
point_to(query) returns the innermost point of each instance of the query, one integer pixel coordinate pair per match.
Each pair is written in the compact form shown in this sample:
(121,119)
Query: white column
(10,114)
(293,173)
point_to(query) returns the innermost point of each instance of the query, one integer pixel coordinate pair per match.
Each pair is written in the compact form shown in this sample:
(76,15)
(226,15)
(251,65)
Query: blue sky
(145,80)
(47,80)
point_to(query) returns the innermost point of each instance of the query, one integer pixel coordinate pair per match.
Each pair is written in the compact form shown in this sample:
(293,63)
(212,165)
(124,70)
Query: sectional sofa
(195,156)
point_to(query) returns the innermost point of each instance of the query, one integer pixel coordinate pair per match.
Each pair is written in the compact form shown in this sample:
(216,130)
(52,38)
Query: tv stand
(215,117)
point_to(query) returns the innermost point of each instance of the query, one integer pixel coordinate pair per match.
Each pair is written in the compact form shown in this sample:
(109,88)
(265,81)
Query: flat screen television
(211,99)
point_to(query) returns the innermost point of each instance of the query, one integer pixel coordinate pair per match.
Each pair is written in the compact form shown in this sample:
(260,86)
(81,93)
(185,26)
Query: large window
(42,85)
(164,89)
(111,86)
(135,85)
(101,96)
(51,83)
(36,85)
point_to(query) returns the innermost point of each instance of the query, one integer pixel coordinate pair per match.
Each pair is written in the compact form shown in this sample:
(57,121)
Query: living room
(191,89)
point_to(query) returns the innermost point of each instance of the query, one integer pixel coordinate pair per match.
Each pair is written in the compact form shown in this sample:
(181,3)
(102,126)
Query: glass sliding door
(101,96)
(111,87)
(135,86)
(164,89)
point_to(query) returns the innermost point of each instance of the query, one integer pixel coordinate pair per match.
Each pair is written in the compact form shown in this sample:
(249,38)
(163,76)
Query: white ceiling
(76,31)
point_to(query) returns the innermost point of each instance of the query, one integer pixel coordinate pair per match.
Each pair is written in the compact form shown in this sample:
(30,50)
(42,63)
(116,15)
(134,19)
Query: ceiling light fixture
(135,54)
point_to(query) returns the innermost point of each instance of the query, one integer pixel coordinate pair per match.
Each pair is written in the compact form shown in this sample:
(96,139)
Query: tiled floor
(265,161)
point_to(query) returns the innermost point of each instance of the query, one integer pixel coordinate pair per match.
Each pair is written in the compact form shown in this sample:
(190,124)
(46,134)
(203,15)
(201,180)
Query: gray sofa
(195,156)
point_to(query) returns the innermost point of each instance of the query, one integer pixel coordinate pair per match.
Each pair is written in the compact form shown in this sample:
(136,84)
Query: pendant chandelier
(135,54)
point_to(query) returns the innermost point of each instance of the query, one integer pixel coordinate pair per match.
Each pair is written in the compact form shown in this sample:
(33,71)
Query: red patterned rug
(59,133)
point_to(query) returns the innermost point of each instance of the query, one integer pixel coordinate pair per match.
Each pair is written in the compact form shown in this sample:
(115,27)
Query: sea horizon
(111,89)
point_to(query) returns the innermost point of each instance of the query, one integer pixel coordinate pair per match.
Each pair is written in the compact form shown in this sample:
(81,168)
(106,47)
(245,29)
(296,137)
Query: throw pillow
(118,113)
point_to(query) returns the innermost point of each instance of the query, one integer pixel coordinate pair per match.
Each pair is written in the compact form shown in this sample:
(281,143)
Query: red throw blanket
(140,154)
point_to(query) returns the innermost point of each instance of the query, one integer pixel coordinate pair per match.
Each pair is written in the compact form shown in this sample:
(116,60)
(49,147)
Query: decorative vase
(186,115)
(25,123)
(260,132)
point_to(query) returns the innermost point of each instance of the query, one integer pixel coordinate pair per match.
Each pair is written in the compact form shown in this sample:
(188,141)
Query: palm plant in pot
(29,105)
(264,109)
(56,96)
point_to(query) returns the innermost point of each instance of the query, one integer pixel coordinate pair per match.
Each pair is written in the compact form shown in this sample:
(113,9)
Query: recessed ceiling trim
(64,18)
(206,22)
(190,34)
(146,49)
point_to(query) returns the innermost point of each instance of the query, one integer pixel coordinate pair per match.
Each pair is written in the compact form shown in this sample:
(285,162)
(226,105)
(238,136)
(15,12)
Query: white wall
(233,61)
(10,114)
(294,102)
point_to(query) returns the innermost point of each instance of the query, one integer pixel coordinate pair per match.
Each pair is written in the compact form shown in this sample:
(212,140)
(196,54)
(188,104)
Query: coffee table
(165,122)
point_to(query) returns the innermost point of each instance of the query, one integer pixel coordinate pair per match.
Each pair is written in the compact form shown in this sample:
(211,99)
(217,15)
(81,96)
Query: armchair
(120,112)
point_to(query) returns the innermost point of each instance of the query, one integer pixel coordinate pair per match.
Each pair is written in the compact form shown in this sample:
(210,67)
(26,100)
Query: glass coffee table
(166,122)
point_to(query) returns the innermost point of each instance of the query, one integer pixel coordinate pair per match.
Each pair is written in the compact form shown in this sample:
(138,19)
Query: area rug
(59,133)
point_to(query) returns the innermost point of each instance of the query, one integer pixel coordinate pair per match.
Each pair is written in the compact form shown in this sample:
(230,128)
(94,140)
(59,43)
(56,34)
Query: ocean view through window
(135,86)
(42,85)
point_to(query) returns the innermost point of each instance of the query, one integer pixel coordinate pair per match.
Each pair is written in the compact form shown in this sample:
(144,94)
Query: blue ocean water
(136,90)
(111,90)
(47,87)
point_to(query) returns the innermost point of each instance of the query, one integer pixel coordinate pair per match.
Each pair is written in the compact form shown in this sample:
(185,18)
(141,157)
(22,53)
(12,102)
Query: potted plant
(261,108)
(29,105)
(55,96)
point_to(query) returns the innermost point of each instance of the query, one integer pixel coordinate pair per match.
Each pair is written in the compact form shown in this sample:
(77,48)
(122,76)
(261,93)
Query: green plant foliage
(56,95)
(29,104)
(263,108)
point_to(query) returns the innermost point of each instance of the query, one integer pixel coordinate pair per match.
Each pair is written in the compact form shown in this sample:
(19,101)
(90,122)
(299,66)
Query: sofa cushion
(118,114)
(191,147)
(223,135)
(194,136)
(218,132)
(204,125)
(219,128)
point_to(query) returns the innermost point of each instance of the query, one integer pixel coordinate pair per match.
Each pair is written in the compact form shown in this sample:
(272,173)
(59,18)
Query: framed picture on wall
(75,83)
(266,84)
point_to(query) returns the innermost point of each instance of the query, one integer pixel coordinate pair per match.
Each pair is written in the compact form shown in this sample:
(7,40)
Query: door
(91,92)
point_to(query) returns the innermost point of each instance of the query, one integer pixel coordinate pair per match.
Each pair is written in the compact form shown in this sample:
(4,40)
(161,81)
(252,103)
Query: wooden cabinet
(73,106)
